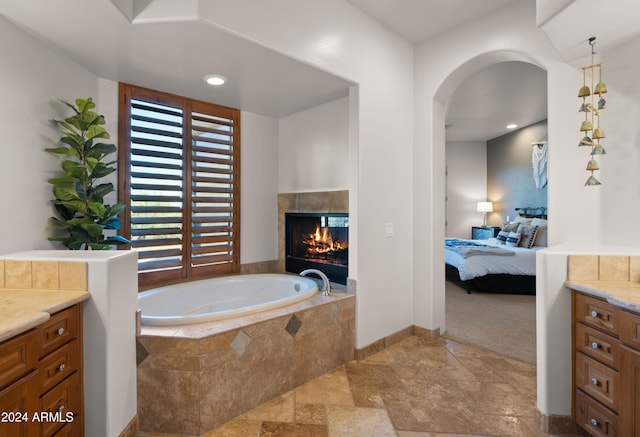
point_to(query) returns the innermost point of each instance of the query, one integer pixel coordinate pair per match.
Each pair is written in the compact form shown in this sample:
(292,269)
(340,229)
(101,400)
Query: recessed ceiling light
(215,79)
(512,126)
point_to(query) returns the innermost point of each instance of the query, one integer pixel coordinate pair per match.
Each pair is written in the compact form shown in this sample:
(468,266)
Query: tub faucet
(326,290)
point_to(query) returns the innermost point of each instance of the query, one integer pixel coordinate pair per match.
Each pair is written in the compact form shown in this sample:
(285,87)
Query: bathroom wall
(313,148)
(259,189)
(33,76)
(620,189)
(337,37)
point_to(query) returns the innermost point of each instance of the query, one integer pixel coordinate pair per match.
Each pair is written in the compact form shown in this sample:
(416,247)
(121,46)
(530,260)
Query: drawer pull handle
(594,345)
(61,367)
(594,314)
(60,331)
(594,422)
(594,381)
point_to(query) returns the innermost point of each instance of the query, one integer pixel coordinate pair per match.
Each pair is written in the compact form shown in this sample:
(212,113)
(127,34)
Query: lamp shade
(485,207)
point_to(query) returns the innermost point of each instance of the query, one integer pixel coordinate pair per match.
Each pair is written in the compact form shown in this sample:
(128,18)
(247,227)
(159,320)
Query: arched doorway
(486,160)
(429,204)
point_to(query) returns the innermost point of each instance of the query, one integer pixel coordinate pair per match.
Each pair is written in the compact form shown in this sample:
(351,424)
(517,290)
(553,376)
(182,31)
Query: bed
(493,265)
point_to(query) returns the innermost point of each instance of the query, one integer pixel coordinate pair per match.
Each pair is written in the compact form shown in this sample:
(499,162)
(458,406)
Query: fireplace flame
(320,242)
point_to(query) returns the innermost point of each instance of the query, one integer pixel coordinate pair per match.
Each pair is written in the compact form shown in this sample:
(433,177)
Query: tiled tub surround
(193,378)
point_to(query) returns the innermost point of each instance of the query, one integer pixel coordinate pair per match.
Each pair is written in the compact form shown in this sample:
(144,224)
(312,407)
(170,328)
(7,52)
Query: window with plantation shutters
(179,169)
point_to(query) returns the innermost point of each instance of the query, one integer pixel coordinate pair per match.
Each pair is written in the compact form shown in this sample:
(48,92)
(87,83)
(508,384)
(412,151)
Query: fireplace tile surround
(316,202)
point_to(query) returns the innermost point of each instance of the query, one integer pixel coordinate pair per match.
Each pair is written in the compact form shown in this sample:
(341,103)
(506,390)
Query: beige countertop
(619,293)
(21,310)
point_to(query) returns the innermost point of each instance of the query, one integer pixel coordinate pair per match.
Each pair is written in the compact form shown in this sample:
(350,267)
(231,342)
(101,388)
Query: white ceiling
(418,20)
(174,56)
(500,94)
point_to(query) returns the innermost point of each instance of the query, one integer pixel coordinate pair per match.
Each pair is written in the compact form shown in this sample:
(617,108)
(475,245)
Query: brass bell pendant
(593,165)
(598,150)
(584,91)
(598,133)
(600,88)
(586,126)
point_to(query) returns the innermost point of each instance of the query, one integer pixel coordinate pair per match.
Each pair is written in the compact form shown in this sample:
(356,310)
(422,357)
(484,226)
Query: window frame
(187,272)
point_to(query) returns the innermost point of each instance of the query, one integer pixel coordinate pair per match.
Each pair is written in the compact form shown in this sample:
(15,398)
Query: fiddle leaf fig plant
(79,194)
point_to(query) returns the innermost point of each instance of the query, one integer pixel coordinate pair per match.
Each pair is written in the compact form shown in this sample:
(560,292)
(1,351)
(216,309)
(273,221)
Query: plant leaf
(97,208)
(101,171)
(113,223)
(117,240)
(100,150)
(65,191)
(97,132)
(102,190)
(94,230)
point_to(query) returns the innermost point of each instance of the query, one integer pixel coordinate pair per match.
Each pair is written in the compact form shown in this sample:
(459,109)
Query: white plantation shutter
(180,169)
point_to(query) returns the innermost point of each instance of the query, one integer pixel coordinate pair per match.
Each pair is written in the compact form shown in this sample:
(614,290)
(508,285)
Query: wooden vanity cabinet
(41,388)
(630,368)
(606,367)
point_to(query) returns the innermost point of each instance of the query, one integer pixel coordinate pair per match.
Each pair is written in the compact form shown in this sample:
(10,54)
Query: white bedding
(522,262)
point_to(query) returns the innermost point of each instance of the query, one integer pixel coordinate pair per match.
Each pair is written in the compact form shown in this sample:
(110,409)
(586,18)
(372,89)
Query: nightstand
(484,232)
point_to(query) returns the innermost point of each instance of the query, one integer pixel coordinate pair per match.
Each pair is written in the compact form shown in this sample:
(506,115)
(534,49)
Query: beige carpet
(503,323)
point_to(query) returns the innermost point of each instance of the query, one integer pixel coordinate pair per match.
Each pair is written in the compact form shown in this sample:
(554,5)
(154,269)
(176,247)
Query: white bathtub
(222,298)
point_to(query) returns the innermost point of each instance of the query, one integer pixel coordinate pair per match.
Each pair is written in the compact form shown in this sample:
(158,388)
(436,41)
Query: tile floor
(415,388)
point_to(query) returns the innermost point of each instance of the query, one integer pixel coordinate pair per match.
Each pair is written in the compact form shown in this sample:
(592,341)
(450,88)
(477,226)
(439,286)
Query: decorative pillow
(513,239)
(502,236)
(541,235)
(510,227)
(528,235)
(522,220)
(541,223)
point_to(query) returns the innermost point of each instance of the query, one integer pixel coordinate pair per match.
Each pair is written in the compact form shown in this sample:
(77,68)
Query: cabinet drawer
(58,365)
(598,381)
(19,399)
(73,429)
(61,328)
(62,403)
(594,418)
(630,329)
(17,357)
(598,345)
(597,313)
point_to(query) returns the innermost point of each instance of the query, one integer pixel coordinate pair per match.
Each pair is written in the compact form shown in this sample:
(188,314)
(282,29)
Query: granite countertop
(21,310)
(623,294)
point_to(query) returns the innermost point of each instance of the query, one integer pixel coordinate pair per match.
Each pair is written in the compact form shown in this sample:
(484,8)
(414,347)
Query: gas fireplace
(318,241)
